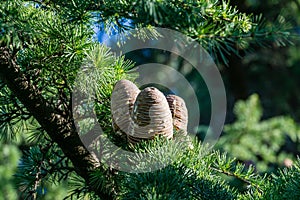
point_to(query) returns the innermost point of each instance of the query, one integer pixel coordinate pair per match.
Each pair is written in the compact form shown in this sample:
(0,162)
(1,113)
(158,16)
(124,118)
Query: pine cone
(122,100)
(151,116)
(179,113)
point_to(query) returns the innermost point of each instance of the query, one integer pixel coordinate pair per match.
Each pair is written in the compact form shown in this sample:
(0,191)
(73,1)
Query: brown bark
(60,127)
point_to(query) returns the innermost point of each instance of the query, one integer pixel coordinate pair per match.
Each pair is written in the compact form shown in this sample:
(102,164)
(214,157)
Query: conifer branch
(60,128)
(238,176)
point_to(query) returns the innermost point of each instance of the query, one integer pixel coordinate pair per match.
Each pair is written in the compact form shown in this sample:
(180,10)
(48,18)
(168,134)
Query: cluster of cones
(143,114)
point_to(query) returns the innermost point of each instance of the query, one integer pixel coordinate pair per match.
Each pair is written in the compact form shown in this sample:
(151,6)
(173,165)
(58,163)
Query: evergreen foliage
(9,156)
(44,43)
(261,142)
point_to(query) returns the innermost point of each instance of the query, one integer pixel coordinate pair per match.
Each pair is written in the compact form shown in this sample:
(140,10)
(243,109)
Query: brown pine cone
(179,113)
(151,116)
(122,101)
